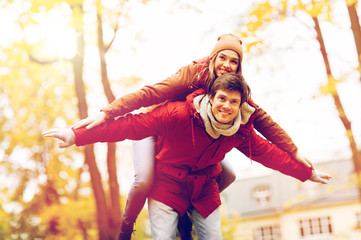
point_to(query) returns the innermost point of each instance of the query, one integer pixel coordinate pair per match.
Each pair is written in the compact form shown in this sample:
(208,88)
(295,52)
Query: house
(274,206)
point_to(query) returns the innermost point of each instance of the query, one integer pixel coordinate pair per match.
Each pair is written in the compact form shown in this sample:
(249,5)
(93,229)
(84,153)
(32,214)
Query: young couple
(191,139)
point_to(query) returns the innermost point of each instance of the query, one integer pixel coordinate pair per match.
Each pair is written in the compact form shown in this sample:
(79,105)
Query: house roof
(274,192)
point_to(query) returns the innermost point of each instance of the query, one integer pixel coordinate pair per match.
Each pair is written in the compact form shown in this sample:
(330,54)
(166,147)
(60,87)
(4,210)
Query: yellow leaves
(243,35)
(129,81)
(78,17)
(351,2)
(331,189)
(315,8)
(294,201)
(284,5)
(260,17)
(349,133)
(262,14)
(75,2)
(254,46)
(39,5)
(99,7)
(355,180)
(46,5)
(5,220)
(359,66)
(63,217)
(330,87)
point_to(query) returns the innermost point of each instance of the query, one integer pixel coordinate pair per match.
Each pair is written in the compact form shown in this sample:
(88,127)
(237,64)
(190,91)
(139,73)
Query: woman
(226,56)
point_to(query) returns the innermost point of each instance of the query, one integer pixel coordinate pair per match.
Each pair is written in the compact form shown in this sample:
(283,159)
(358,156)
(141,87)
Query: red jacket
(177,87)
(187,157)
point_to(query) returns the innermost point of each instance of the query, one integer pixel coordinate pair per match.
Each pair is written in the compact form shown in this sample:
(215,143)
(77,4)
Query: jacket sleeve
(133,127)
(177,86)
(265,125)
(269,155)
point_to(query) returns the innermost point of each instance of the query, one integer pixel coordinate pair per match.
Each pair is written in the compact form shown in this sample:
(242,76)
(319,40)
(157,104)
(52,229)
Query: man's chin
(223,120)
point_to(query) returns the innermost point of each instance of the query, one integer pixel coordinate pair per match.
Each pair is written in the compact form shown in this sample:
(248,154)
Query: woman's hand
(91,121)
(66,136)
(302,159)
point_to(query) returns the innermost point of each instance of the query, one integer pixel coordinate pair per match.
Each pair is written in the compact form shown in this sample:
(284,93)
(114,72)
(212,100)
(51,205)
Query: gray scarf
(214,128)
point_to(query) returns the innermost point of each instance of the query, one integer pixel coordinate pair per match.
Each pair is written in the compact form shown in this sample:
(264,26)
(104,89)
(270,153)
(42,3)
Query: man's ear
(211,98)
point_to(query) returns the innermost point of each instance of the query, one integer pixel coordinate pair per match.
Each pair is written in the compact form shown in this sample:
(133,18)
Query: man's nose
(226,105)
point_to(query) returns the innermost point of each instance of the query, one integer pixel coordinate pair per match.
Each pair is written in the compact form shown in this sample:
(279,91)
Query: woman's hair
(226,41)
(231,82)
(209,75)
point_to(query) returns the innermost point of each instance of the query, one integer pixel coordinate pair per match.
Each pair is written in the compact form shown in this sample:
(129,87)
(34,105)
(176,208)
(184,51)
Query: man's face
(225,105)
(226,61)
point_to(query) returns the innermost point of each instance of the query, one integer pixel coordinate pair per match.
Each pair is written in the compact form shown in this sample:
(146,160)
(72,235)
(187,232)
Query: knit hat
(228,42)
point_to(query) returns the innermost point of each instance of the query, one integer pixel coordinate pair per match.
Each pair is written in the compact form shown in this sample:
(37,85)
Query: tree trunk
(114,212)
(356,30)
(98,191)
(338,104)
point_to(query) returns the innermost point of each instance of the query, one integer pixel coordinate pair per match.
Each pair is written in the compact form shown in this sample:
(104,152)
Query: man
(193,137)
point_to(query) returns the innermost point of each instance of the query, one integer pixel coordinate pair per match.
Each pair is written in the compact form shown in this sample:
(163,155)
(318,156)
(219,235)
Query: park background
(63,60)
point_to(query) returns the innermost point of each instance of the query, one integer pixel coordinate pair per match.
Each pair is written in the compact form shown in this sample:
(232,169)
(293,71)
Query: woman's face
(226,61)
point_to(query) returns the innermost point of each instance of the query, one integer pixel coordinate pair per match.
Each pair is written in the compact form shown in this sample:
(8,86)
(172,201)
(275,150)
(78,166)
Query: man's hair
(231,82)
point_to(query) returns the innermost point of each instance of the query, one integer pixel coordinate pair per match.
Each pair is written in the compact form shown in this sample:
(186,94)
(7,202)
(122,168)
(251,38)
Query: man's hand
(319,177)
(91,121)
(66,136)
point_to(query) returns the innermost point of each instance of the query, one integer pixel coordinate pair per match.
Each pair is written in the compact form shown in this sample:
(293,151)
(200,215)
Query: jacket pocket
(171,171)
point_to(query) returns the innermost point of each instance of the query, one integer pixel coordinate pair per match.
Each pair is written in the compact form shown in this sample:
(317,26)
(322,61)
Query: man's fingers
(320,177)
(47,133)
(325,176)
(54,133)
(66,136)
(323,181)
(51,133)
(63,145)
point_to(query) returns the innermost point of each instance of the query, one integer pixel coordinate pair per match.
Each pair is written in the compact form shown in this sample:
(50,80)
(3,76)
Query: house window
(262,194)
(358,219)
(315,226)
(267,233)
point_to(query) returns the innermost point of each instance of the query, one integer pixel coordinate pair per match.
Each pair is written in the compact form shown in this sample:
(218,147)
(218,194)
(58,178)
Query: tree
(115,213)
(39,171)
(29,64)
(334,93)
(265,13)
(96,180)
(355,27)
